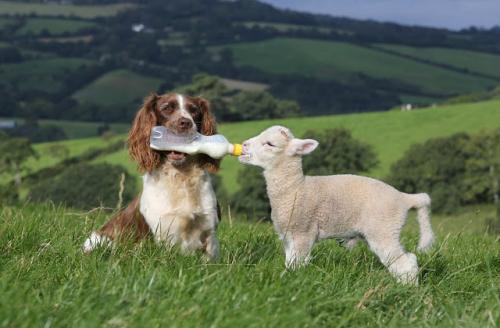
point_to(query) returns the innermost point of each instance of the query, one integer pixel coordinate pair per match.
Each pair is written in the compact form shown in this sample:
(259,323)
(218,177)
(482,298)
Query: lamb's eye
(270,144)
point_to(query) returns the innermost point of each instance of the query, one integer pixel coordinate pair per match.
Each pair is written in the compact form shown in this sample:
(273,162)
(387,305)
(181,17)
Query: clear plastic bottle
(215,146)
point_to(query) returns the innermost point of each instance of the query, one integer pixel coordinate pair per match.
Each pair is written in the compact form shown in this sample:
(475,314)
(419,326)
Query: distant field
(463,59)
(244,85)
(79,130)
(75,147)
(286,27)
(339,60)
(118,87)
(41,74)
(4,22)
(69,39)
(391,133)
(91,11)
(54,26)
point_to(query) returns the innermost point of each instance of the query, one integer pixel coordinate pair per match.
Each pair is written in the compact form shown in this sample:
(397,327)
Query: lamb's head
(275,145)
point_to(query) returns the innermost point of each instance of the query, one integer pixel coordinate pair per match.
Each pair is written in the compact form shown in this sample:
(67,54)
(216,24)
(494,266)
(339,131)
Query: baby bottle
(215,146)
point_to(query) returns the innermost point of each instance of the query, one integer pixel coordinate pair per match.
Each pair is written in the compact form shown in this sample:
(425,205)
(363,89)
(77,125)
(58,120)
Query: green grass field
(80,130)
(5,22)
(75,147)
(339,60)
(285,27)
(90,11)
(41,74)
(390,133)
(54,26)
(463,59)
(45,280)
(119,87)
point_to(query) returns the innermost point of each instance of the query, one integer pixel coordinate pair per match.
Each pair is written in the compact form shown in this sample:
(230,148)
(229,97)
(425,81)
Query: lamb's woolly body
(306,209)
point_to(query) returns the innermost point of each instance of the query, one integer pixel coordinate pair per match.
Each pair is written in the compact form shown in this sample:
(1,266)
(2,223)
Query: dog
(177,205)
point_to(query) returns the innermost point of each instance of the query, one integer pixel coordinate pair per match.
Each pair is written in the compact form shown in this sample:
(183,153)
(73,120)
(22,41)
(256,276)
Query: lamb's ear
(301,146)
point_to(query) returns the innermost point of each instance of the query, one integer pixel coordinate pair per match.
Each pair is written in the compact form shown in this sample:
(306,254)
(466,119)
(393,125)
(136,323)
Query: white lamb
(306,209)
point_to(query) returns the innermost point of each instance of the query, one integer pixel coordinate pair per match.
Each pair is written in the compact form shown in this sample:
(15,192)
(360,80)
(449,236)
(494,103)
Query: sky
(451,14)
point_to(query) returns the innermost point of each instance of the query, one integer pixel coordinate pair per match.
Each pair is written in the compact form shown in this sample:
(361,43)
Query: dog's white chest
(172,204)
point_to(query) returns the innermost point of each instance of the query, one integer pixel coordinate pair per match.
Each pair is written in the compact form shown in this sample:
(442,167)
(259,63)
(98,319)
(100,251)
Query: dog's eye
(168,107)
(193,109)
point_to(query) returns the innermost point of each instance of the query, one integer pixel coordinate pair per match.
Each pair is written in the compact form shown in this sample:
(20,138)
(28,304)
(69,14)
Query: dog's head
(182,114)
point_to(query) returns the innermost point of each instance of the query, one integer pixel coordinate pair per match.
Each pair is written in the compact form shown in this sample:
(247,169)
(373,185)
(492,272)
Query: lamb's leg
(297,250)
(401,265)
(350,243)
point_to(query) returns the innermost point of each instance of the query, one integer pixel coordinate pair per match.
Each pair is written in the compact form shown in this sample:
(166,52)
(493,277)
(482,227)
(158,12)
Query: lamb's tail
(422,202)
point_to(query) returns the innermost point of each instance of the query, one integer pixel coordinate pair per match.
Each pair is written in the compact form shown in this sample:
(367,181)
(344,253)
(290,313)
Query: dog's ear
(207,124)
(208,163)
(138,139)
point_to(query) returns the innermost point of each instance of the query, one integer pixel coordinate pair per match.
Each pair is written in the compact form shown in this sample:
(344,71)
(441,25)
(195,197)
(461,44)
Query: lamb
(306,209)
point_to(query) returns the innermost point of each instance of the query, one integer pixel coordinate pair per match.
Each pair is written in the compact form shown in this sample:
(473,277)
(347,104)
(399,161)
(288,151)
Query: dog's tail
(422,202)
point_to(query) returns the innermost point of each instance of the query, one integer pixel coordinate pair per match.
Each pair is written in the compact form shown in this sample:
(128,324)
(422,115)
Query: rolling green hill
(53,26)
(118,87)
(41,74)
(89,11)
(340,60)
(466,60)
(391,133)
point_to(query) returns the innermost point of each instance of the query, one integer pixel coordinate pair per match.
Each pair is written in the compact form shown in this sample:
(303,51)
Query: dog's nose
(185,123)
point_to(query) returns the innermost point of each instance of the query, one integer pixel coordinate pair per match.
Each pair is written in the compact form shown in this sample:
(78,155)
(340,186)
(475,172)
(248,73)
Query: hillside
(73,56)
(342,61)
(391,133)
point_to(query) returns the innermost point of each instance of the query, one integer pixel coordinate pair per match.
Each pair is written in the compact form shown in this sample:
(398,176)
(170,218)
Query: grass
(390,133)
(6,22)
(88,11)
(53,26)
(75,147)
(244,85)
(79,130)
(339,60)
(41,74)
(462,59)
(281,27)
(119,87)
(45,280)
(69,39)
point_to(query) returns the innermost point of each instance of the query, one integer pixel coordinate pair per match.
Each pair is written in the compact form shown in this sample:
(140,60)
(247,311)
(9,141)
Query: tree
(338,152)
(437,167)
(86,186)
(58,150)
(251,200)
(211,88)
(483,171)
(255,105)
(13,154)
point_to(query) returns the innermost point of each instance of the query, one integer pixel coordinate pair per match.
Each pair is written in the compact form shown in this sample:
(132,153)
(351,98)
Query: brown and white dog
(177,204)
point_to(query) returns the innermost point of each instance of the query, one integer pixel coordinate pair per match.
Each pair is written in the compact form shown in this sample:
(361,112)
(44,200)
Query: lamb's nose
(185,123)
(246,145)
